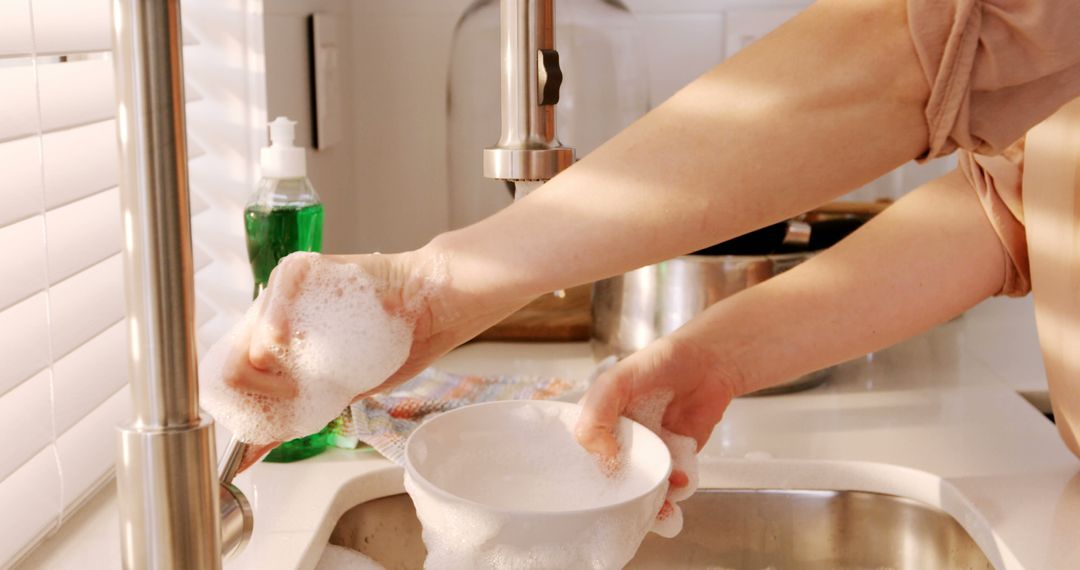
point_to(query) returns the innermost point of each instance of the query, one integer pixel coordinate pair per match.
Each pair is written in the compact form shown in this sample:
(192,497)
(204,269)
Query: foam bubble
(549,472)
(342,343)
(340,558)
(649,412)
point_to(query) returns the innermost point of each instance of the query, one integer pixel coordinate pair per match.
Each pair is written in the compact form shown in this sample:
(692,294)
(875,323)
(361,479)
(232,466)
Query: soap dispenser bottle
(283,216)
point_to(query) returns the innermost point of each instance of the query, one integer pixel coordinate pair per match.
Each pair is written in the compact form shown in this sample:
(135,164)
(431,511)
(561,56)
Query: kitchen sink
(738,529)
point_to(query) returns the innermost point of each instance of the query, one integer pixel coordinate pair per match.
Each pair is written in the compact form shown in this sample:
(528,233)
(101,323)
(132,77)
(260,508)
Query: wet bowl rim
(413,473)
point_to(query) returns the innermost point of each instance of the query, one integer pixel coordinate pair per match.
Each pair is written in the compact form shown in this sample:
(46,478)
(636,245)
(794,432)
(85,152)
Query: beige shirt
(996,68)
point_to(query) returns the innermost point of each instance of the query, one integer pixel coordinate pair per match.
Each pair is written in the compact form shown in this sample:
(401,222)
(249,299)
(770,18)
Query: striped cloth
(385,421)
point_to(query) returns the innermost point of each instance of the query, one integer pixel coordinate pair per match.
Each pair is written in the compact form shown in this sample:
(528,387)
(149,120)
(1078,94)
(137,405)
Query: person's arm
(826,103)
(829,101)
(924,260)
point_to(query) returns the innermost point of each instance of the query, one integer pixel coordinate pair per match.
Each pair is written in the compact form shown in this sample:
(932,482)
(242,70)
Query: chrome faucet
(529,148)
(174,514)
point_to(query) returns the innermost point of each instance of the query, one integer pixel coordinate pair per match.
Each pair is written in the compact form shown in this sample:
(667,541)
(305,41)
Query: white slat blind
(63,377)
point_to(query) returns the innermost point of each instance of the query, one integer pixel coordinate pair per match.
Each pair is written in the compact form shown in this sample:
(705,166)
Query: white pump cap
(283,159)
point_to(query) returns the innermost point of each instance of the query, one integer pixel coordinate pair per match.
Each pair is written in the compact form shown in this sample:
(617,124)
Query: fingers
(246,378)
(261,370)
(601,408)
(271,332)
(268,379)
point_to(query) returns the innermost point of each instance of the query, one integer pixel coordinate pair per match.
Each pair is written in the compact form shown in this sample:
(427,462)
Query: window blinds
(63,368)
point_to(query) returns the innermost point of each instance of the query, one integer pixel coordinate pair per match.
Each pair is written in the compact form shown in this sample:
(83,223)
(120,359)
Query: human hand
(413,286)
(257,360)
(674,387)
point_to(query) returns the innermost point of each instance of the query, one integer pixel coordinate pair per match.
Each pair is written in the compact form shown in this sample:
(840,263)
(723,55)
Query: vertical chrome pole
(168,492)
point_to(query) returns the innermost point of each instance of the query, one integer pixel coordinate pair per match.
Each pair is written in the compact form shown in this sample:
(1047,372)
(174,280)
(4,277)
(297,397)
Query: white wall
(399,89)
(395,196)
(289,94)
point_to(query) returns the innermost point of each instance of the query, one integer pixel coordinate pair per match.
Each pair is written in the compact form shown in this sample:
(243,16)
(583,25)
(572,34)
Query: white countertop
(937,419)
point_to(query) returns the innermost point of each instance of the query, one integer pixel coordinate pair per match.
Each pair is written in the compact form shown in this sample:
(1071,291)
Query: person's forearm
(924,260)
(826,103)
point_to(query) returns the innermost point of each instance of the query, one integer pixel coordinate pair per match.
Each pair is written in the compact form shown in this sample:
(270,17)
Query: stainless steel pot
(636,308)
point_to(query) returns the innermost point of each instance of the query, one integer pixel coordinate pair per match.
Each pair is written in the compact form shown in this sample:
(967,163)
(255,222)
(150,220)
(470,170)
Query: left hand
(414,285)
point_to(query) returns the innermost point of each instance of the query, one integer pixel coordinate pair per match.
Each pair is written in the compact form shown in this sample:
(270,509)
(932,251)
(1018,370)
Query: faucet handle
(230,461)
(237,519)
(549,77)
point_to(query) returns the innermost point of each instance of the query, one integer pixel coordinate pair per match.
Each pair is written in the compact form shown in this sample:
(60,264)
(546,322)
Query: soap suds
(342,343)
(546,474)
(649,412)
(340,558)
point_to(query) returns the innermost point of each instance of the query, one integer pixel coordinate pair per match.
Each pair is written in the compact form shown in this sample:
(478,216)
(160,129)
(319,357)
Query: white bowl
(505,485)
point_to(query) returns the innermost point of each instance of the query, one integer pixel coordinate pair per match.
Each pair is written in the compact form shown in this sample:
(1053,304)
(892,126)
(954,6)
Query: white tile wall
(681,47)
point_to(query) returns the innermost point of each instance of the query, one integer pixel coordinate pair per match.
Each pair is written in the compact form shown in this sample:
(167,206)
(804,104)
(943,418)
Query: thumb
(602,406)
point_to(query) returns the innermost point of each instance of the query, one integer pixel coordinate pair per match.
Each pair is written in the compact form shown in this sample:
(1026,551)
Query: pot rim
(704,258)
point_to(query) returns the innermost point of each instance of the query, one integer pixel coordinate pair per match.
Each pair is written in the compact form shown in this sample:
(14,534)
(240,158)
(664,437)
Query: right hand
(675,369)
(701,391)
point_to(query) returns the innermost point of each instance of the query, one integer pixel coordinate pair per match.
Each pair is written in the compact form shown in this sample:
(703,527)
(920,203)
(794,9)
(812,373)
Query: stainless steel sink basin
(736,529)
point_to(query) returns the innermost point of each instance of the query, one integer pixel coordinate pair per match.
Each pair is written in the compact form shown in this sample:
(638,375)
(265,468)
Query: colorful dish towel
(385,421)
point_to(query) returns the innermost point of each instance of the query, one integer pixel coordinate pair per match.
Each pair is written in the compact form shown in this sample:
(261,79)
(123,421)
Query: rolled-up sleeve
(998,181)
(995,68)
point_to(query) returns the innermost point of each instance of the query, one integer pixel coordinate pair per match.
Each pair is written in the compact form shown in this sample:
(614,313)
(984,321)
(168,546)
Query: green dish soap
(283,216)
(276,231)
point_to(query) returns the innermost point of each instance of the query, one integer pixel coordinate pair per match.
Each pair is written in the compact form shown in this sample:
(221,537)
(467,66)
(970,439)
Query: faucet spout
(529,148)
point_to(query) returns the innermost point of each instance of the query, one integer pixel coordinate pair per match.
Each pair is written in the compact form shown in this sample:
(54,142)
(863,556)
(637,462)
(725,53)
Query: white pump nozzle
(282,132)
(283,159)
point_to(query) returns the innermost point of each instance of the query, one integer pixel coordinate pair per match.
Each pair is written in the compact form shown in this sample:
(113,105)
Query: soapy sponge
(342,342)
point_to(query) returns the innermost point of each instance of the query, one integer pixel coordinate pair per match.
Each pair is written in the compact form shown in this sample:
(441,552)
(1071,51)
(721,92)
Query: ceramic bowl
(519,500)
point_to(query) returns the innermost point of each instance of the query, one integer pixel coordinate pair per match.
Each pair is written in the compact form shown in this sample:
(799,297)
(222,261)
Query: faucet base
(169,497)
(527,164)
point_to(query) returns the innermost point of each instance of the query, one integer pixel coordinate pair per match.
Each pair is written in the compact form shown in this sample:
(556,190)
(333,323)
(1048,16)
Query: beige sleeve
(998,181)
(995,68)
